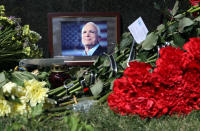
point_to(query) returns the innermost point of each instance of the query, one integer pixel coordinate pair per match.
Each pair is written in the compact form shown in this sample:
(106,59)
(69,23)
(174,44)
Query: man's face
(89,35)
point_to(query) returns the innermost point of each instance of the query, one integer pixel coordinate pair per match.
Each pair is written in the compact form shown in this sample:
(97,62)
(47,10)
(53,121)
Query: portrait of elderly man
(90,37)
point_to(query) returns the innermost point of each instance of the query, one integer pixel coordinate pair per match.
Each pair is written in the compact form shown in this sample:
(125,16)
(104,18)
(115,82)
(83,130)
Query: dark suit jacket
(99,51)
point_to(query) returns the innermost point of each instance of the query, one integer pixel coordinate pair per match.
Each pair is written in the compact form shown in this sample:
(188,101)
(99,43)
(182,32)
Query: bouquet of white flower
(20,92)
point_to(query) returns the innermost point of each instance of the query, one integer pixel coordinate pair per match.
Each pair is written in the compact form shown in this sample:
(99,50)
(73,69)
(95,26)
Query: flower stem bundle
(16,41)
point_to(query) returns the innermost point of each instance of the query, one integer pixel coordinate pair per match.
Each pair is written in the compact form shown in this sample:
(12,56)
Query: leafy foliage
(19,77)
(177,28)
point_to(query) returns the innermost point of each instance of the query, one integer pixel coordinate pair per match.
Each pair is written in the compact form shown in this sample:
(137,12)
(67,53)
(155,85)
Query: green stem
(121,71)
(67,103)
(7,37)
(150,61)
(6,55)
(54,91)
(77,89)
(47,118)
(55,115)
(106,84)
(42,117)
(74,86)
(64,98)
(155,55)
(66,90)
(6,32)
(119,57)
(197,9)
(191,8)
(61,94)
(123,55)
(58,89)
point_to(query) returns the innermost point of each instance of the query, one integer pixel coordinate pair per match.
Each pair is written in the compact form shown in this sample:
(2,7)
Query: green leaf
(112,84)
(160,28)
(150,41)
(188,29)
(37,110)
(18,77)
(97,87)
(74,123)
(99,61)
(42,75)
(124,64)
(127,40)
(80,72)
(178,40)
(172,28)
(89,128)
(175,8)
(197,19)
(110,74)
(142,55)
(106,62)
(184,23)
(16,126)
(179,16)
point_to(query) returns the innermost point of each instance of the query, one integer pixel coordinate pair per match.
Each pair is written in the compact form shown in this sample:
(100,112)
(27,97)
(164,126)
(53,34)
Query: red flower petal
(172,88)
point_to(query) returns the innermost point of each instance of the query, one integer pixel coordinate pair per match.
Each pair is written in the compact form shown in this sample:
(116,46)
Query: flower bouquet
(97,81)
(138,89)
(20,93)
(171,86)
(16,41)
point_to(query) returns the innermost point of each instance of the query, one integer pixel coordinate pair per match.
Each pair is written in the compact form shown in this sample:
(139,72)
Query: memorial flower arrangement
(180,27)
(18,100)
(171,85)
(171,88)
(160,81)
(19,91)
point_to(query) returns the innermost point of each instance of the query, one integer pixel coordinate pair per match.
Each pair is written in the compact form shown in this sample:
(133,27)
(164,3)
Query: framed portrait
(82,37)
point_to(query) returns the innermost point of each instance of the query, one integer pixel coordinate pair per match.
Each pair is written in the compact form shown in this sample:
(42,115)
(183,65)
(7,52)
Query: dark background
(34,12)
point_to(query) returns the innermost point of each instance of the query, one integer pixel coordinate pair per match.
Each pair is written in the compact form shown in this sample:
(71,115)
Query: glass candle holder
(58,75)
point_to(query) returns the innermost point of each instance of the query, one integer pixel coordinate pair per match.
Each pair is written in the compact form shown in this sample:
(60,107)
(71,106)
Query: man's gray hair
(97,27)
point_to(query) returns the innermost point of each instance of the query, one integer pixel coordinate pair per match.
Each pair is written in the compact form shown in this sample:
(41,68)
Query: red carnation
(172,88)
(192,56)
(138,73)
(192,47)
(168,69)
(194,2)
